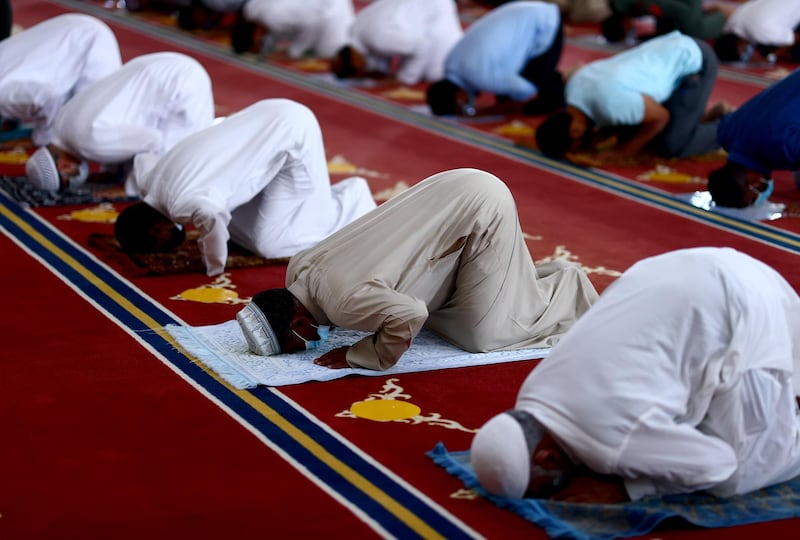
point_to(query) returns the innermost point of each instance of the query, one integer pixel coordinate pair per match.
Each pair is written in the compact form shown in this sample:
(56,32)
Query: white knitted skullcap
(41,170)
(501,458)
(260,336)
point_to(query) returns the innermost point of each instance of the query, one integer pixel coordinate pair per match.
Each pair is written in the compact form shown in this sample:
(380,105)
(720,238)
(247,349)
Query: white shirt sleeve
(213,239)
(661,455)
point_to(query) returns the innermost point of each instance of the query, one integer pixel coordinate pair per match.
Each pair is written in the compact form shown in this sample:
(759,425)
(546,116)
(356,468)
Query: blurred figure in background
(43,67)
(512,52)
(316,27)
(416,34)
(761,30)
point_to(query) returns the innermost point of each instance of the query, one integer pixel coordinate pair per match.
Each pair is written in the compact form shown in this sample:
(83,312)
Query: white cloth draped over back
(418,32)
(42,67)
(318,27)
(260,174)
(680,378)
(148,105)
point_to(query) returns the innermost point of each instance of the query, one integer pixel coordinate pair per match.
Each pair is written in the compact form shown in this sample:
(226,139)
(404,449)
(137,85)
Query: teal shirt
(609,91)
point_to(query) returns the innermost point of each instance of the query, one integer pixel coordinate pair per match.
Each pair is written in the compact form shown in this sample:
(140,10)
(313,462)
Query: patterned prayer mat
(607,521)
(14,133)
(223,348)
(19,189)
(186,260)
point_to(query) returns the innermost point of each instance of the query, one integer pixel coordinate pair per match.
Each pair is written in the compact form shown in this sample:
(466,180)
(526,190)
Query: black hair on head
(727,48)
(343,66)
(727,185)
(133,230)
(242,34)
(552,135)
(441,97)
(613,27)
(278,306)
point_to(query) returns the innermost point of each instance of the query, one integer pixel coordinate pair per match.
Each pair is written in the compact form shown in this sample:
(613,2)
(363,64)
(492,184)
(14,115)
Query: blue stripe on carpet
(351,477)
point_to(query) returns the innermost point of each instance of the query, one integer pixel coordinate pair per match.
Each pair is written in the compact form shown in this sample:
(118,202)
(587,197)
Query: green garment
(687,16)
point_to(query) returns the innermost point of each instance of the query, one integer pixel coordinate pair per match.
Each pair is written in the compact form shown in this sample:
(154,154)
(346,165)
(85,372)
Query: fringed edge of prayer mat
(555,528)
(212,357)
(184,261)
(20,190)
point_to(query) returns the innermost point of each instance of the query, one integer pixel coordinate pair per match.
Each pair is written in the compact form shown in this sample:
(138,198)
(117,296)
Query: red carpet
(110,435)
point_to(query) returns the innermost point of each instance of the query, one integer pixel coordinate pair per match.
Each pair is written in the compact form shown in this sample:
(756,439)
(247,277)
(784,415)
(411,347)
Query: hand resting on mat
(334,359)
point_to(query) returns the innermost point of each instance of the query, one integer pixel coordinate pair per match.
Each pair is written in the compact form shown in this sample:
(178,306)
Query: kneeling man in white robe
(148,105)
(42,67)
(417,35)
(681,378)
(317,27)
(259,177)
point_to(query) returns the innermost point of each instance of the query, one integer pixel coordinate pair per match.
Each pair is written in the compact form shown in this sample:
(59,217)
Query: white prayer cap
(260,336)
(41,170)
(501,458)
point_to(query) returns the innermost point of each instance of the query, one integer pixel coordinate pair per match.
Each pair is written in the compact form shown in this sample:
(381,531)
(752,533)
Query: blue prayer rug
(606,521)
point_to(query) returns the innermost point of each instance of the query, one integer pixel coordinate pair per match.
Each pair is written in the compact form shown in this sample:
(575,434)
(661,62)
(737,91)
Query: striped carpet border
(379,498)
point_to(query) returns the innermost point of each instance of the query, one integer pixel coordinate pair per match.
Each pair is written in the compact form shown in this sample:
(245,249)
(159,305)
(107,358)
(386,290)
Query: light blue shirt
(497,47)
(609,91)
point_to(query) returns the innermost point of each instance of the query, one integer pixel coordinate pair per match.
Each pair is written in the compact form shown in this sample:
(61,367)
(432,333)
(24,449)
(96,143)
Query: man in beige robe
(447,254)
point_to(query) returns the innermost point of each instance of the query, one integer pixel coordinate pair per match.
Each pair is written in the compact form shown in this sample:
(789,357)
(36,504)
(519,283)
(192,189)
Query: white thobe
(260,174)
(44,66)
(680,378)
(447,254)
(767,22)
(148,105)
(316,26)
(420,33)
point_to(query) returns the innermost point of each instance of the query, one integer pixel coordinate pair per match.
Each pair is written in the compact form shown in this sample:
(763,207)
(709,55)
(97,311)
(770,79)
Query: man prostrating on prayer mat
(681,378)
(258,177)
(145,107)
(447,254)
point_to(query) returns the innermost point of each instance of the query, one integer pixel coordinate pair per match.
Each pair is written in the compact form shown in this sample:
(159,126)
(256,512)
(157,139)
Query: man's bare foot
(718,110)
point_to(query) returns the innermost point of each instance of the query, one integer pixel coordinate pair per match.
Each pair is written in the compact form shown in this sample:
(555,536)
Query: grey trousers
(686,134)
